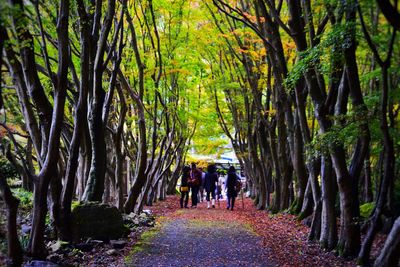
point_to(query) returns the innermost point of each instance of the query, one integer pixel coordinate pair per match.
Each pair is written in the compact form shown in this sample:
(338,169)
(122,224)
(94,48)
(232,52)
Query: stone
(26,229)
(95,242)
(118,244)
(57,245)
(148,212)
(41,264)
(97,221)
(112,252)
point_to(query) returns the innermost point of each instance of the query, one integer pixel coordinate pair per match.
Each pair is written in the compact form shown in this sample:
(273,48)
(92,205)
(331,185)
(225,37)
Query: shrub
(25,198)
(7,169)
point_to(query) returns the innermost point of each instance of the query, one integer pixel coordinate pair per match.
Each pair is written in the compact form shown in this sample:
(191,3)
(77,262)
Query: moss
(293,209)
(340,249)
(301,216)
(141,244)
(25,198)
(250,228)
(75,204)
(98,221)
(366,209)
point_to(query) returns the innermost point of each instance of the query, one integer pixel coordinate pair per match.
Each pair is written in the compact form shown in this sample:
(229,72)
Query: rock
(97,221)
(95,242)
(112,252)
(146,219)
(148,212)
(41,264)
(26,229)
(117,244)
(57,245)
(131,215)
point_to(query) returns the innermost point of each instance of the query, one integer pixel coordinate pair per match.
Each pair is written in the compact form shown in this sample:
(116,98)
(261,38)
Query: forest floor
(220,237)
(213,237)
(196,242)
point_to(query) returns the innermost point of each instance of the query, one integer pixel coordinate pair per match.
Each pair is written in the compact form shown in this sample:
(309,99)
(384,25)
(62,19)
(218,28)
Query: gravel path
(196,242)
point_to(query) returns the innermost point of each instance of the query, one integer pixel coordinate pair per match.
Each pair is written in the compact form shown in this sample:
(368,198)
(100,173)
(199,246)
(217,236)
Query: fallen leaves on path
(283,235)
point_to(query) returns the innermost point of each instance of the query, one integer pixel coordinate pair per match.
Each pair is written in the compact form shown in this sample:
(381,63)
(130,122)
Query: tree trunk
(301,172)
(36,242)
(14,248)
(95,184)
(388,174)
(328,237)
(141,163)
(390,253)
(308,203)
(79,117)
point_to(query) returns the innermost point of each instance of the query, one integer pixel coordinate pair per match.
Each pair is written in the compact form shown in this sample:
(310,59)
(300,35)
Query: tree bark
(95,184)
(15,253)
(36,245)
(328,236)
(390,253)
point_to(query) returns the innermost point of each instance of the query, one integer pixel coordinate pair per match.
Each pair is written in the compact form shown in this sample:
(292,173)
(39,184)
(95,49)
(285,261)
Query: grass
(142,243)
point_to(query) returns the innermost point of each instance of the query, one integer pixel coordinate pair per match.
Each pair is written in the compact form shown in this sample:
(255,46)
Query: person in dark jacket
(231,184)
(194,182)
(210,182)
(184,188)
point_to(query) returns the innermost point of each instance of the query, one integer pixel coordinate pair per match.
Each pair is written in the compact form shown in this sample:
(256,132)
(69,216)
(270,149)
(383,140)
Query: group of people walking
(193,180)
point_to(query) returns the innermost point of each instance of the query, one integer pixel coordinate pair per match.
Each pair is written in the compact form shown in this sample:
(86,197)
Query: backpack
(195,180)
(238,186)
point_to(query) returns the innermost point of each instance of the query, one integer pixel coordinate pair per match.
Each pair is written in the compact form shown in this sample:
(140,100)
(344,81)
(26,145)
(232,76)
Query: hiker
(201,188)
(194,182)
(184,188)
(210,182)
(221,185)
(232,181)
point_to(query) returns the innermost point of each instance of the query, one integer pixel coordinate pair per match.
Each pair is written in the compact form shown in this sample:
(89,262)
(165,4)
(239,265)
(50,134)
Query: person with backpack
(184,188)
(210,182)
(232,187)
(194,182)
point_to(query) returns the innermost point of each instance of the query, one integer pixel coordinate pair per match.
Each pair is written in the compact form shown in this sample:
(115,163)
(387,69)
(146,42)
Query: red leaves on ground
(283,236)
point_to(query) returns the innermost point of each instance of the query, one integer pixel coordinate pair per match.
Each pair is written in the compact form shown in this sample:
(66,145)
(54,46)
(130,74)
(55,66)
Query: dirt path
(200,238)
(220,237)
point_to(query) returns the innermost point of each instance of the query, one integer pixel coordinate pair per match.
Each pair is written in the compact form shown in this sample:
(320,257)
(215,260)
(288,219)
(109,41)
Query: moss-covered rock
(97,221)
(366,209)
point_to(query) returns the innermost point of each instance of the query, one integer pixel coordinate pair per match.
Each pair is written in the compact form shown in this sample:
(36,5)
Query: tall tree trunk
(79,117)
(141,163)
(328,236)
(95,184)
(301,172)
(14,248)
(36,242)
(387,176)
